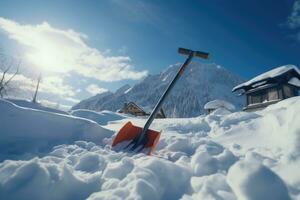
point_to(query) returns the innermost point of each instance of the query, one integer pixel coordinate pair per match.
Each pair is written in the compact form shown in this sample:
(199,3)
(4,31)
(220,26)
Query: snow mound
(250,180)
(101,118)
(215,104)
(210,187)
(30,131)
(151,178)
(211,158)
(47,178)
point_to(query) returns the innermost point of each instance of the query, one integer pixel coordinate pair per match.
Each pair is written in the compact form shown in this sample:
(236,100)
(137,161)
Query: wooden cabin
(134,109)
(270,87)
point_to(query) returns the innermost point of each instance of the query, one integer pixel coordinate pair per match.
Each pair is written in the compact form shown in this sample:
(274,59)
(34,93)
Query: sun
(50,56)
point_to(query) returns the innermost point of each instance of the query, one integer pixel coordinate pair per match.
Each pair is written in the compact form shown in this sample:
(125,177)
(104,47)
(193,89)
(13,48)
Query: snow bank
(101,118)
(37,106)
(274,127)
(234,156)
(29,131)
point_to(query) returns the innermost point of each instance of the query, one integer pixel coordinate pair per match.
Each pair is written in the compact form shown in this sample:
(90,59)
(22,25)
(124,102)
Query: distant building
(134,109)
(270,87)
(216,104)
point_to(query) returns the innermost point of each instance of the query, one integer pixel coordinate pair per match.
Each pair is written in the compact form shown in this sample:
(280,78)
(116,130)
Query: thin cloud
(95,89)
(55,105)
(62,51)
(56,85)
(49,85)
(293,21)
(294,18)
(136,10)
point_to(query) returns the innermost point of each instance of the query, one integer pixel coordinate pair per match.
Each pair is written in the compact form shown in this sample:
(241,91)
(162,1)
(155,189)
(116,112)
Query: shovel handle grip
(195,53)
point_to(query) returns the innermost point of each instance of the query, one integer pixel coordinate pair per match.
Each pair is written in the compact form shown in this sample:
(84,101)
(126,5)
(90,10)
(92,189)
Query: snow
(251,180)
(101,118)
(217,156)
(215,104)
(29,104)
(32,132)
(201,82)
(127,90)
(270,74)
(294,81)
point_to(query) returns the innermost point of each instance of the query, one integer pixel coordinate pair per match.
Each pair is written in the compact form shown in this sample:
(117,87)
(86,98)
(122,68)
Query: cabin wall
(265,95)
(133,109)
(289,91)
(270,90)
(260,99)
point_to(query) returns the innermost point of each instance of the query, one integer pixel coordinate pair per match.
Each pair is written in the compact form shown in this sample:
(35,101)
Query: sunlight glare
(51,56)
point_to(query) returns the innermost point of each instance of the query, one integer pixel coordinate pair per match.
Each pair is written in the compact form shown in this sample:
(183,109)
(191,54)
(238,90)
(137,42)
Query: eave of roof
(272,74)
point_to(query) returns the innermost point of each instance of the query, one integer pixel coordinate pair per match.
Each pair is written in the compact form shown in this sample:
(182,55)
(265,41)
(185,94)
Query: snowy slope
(37,106)
(219,156)
(200,83)
(102,118)
(33,132)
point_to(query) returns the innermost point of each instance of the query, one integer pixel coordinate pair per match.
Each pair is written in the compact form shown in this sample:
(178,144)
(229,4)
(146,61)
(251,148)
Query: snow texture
(28,132)
(250,180)
(37,106)
(215,104)
(101,118)
(233,156)
(270,74)
(295,82)
(199,84)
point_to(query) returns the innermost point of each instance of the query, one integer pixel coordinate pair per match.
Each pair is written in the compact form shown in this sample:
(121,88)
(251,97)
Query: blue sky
(140,37)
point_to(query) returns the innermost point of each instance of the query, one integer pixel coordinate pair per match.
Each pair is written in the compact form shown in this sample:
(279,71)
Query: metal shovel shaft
(163,97)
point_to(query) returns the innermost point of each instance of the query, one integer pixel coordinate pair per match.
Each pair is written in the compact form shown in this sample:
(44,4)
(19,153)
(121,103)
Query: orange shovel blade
(129,132)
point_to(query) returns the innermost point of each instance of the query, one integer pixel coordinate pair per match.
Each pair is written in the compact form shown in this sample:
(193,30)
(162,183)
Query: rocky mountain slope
(200,83)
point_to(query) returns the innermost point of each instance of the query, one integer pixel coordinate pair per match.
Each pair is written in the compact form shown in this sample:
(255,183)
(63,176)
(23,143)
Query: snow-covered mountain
(200,83)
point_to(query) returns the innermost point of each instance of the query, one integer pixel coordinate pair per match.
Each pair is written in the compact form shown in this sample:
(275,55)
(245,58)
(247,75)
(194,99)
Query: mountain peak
(201,82)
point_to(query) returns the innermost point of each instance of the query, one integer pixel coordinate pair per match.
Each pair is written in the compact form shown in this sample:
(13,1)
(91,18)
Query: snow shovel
(144,138)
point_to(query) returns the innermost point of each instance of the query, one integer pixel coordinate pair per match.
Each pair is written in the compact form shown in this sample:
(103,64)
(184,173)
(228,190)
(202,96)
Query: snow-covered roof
(215,104)
(147,109)
(267,75)
(134,104)
(294,81)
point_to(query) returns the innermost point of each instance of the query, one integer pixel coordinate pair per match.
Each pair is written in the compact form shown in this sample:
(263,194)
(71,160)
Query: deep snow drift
(219,156)
(37,106)
(29,132)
